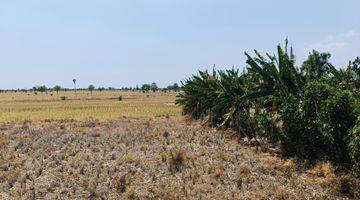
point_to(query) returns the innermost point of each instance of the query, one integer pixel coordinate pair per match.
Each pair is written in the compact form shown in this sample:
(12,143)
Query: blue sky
(123,43)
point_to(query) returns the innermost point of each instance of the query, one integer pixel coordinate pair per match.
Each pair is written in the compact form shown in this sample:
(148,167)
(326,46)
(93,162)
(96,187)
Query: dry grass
(176,159)
(82,105)
(146,151)
(125,161)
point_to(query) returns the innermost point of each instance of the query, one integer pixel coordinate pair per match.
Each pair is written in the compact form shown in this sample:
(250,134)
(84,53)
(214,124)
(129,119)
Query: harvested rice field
(138,148)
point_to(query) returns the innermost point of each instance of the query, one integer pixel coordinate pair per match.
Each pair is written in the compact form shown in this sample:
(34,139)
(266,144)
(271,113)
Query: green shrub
(63,98)
(267,126)
(294,139)
(230,106)
(315,94)
(317,123)
(198,94)
(354,147)
(120,98)
(221,97)
(338,118)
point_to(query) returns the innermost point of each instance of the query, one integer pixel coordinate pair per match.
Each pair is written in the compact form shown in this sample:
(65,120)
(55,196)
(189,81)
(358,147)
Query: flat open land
(92,146)
(84,105)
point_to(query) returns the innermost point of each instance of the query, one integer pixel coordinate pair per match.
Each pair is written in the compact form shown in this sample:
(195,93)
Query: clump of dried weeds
(177,159)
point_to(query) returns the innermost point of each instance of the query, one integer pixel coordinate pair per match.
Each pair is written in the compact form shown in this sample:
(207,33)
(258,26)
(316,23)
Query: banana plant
(232,103)
(197,94)
(277,74)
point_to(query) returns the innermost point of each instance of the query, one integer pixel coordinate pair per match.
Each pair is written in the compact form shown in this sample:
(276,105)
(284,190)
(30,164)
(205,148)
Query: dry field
(96,147)
(83,105)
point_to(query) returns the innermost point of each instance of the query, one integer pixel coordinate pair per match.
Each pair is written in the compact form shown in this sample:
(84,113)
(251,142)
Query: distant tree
(127,88)
(101,89)
(41,89)
(74,81)
(153,87)
(145,87)
(57,88)
(175,87)
(91,88)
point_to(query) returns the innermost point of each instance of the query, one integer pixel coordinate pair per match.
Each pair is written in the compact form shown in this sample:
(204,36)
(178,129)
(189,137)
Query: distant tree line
(57,88)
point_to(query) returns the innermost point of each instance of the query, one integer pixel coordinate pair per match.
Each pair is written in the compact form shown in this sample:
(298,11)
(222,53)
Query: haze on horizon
(125,43)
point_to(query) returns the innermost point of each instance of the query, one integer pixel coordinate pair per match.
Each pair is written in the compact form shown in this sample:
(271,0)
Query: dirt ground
(145,158)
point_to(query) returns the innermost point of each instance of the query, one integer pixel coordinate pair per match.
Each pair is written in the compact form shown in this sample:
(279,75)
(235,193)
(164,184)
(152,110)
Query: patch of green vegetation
(310,110)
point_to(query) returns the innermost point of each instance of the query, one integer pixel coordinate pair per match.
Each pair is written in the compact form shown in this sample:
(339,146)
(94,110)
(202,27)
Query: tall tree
(57,88)
(91,88)
(175,87)
(101,89)
(145,87)
(74,81)
(154,87)
(41,89)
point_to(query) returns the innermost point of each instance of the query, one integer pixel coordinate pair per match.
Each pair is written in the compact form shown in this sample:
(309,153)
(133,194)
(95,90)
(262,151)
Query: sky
(122,43)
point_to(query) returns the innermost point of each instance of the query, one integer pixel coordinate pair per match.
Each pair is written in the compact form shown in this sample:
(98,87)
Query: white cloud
(352,34)
(328,45)
(335,43)
(343,46)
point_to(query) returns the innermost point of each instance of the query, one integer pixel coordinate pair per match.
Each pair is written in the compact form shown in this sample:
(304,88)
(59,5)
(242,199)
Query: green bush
(317,123)
(266,126)
(338,119)
(120,98)
(354,147)
(198,95)
(231,107)
(294,140)
(312,108)
(221,97)
(63,98)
